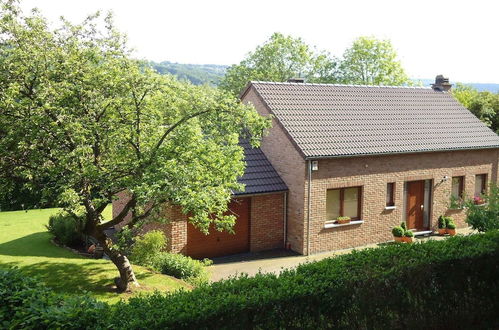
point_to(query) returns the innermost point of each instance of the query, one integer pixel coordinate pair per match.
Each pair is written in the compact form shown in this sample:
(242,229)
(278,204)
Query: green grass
(25,243)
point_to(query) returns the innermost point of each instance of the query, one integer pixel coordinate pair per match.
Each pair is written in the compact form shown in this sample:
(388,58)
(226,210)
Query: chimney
(296,80)
(441,84)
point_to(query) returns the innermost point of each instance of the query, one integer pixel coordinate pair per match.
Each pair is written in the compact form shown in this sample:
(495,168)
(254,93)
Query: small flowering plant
(478,200)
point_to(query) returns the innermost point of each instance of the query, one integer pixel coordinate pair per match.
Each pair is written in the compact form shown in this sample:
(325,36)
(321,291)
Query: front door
(415,204)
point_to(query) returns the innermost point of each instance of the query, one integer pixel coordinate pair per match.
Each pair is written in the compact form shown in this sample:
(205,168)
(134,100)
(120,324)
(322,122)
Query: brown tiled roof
(259,176)
(328,120)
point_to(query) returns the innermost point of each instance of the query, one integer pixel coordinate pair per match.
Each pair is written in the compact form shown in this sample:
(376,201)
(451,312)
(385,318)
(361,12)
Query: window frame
(342,200)
(461,186)
(483,188)
(392,186)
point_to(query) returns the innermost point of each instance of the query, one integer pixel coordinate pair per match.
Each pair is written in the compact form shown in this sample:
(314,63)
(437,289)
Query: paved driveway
(276,260)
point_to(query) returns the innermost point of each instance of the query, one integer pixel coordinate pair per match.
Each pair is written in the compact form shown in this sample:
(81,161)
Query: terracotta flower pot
(451,232)
(408,239)
(398,239)
(340,222)
(442,231)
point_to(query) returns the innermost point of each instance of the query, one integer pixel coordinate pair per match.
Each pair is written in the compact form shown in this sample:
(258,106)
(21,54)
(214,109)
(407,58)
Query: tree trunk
(127,277)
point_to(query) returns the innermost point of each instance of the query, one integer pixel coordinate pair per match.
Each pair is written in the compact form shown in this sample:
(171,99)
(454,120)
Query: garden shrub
(147,246)
(397,286)
(25,303)
(183,267)
(398,231)
(484,217)
(66,229)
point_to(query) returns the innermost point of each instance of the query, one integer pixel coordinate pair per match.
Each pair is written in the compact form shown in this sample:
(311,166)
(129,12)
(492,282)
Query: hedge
(437,284)
(25,303)
(451,284)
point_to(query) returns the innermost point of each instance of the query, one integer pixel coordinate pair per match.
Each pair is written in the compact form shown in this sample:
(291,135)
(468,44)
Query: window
(457,187)
(343,202)
(480,184)
(390,194)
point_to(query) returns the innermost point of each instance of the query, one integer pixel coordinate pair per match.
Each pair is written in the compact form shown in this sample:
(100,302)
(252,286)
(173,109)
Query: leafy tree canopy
(75,108)
(370,61)
(279,59)
(484,105)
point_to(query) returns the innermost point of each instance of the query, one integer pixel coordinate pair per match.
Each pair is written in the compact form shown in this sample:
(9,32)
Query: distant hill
(494,88)
(211,74)
(198,74)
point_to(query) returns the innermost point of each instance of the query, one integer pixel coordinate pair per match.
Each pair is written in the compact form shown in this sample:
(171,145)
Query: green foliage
(442,222)
(27,304)
(343,292)
(398,231)
(66,228)
(279,59)
(455,202)
(75,108)
(125,239)
(147,247)
(183,267)
(451,225)
(484,217)
(340,293)
(484,105)
(403,225)
(343,218)
(370,61)
(197,74)
(408,233)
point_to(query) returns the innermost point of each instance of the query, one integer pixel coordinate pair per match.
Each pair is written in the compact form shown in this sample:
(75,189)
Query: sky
(459,39)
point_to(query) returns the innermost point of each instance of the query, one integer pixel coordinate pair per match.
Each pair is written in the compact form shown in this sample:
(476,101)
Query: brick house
(380,155)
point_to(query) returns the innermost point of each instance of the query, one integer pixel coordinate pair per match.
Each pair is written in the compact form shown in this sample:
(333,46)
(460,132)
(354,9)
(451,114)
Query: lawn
(25,243)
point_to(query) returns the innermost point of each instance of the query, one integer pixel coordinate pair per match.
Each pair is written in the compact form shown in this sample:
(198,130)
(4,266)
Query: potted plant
(398,234)
(342,220)
(451,227)
(408,236)
(478,200)
(442,225)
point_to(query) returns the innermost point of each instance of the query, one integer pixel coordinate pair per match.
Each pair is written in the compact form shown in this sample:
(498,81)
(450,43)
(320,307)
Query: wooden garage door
(217,243)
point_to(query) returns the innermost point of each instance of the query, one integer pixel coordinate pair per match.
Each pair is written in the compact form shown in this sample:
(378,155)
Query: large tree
(370,61)
(76,109)
(279,59)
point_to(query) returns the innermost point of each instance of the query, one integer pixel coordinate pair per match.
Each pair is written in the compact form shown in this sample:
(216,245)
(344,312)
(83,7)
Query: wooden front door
(415,204)
(217,243)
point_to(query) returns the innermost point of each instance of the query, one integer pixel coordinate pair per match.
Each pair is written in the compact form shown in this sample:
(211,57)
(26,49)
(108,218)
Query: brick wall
(290,165)
(267,222)
(373,173)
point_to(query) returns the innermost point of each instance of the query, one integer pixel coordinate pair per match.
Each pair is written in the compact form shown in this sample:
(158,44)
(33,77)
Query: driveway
(275,261)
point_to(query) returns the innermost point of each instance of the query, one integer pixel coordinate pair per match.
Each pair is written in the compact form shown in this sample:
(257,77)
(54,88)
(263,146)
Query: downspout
(285,214)
(309,205)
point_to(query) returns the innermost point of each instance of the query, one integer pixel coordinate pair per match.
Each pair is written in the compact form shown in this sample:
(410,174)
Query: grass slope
(25,243)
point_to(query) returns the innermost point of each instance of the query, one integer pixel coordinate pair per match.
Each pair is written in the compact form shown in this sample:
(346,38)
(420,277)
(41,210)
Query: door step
(423,233)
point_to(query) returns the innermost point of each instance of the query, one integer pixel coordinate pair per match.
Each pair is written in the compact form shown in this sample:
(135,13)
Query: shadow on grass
(35,245)
(74,278)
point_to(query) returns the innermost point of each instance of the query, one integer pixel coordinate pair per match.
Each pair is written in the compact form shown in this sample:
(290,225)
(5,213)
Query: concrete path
(276,260)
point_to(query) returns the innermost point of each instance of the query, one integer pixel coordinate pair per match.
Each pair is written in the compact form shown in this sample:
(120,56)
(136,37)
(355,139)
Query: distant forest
(200,74)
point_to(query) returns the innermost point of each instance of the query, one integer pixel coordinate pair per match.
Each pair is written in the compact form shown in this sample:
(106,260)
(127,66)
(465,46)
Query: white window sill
(334,225)
(390,207)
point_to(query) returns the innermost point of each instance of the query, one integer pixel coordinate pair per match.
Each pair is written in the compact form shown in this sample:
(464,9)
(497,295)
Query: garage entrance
(217,243)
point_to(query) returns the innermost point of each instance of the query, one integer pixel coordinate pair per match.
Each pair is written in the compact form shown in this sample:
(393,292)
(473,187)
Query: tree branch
(117,219)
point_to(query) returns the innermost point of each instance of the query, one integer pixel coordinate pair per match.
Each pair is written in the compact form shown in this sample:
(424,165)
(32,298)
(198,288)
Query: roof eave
(398,153)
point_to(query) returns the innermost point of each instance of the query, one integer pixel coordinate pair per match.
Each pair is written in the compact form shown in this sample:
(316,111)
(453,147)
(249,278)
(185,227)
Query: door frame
(427,202)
